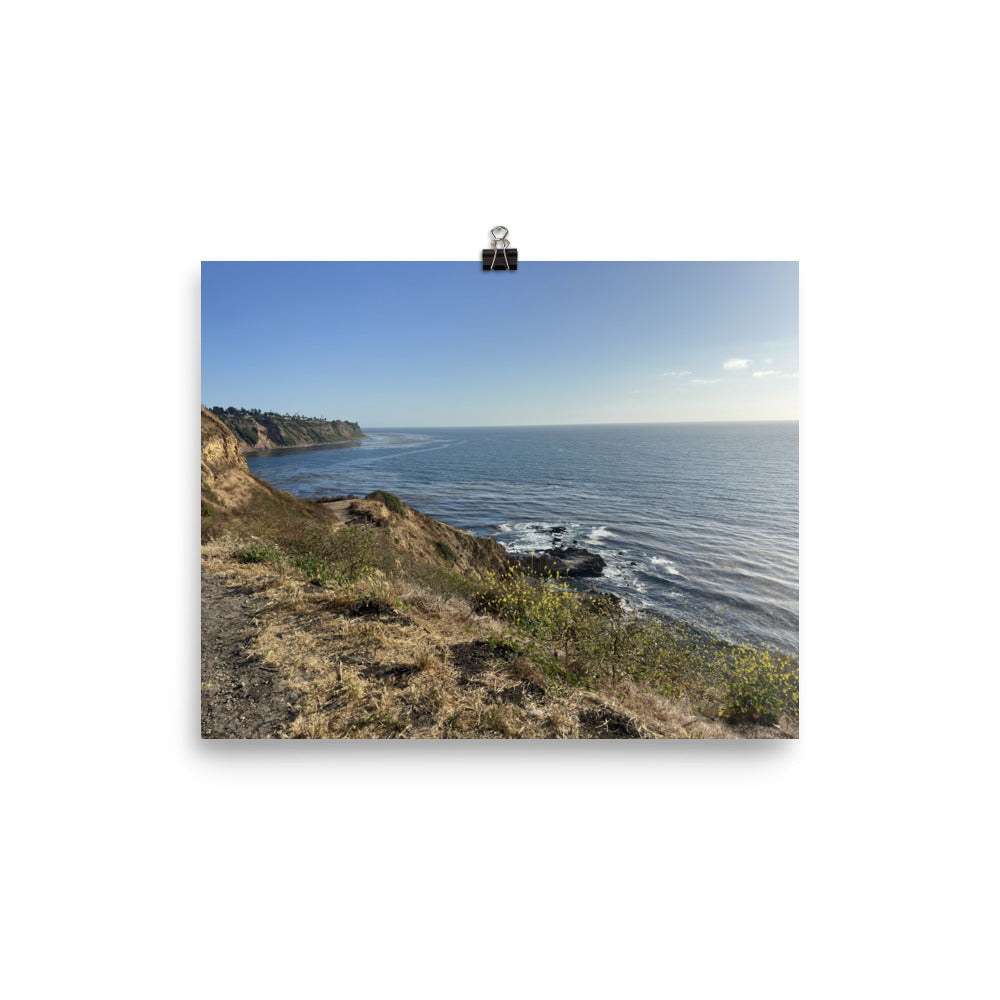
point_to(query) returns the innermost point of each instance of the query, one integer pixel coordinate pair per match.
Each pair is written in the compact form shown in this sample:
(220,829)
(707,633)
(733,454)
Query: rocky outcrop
(566,560)
(571,560)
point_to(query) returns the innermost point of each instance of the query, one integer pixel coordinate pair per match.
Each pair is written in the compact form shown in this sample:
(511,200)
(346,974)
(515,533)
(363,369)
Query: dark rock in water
(565,560)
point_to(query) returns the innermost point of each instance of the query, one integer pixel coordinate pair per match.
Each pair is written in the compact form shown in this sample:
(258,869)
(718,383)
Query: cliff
(234,500)
(257,430)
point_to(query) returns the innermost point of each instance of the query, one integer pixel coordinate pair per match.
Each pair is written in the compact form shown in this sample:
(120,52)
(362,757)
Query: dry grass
(369,661)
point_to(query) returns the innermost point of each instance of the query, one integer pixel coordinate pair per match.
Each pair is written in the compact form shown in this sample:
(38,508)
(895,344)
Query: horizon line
(604,423)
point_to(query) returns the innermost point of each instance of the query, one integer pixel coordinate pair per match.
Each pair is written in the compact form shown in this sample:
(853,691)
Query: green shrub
(445,551)
(590,641)
(355,550)
(390,500)
(315,567)
(256,551)
(248,434)
(759,688)
(541,614)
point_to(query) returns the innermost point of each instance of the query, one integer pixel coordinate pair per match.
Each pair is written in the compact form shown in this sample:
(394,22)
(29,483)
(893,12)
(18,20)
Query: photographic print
(559,502)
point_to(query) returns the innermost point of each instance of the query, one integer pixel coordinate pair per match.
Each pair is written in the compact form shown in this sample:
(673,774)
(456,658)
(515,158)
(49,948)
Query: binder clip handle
(499,242)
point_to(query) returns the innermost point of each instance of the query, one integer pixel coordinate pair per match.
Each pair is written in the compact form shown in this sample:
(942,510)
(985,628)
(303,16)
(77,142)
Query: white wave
(531,536)
(623,581)
(669,566)
(599,534)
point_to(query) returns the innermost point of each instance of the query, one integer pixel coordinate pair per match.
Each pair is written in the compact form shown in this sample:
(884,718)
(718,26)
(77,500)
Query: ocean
(699,521)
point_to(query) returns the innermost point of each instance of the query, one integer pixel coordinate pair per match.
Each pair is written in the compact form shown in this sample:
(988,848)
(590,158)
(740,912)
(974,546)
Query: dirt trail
(340,509)
(240,698)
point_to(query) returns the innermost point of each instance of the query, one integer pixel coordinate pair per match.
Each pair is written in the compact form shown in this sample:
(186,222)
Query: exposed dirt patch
(371,607)
(339,509)
(606,724)
(241,698)
(524,695)
(472,658)
(391,673)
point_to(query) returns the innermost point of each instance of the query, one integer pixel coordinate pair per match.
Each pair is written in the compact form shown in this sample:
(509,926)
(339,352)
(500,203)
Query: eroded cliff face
(257,431)
(219,448)
(225,478)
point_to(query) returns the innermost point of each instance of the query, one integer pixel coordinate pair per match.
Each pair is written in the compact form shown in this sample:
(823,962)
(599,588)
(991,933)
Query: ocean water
(699,521)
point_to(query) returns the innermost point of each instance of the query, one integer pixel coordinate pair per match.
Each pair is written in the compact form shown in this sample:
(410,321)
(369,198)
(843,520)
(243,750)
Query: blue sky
(437,344)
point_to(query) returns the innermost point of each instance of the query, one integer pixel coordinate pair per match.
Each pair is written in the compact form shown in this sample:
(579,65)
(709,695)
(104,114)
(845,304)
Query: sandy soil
(340,509)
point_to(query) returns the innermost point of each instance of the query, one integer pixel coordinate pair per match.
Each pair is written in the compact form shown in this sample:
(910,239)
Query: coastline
(285,449)
(712,540)
(262,431)
(365,618)
(362,617)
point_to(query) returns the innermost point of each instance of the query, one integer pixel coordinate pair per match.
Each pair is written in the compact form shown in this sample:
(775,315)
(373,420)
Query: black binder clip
(500,258)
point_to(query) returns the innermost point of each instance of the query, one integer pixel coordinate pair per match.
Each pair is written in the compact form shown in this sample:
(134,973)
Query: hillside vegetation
(259,430)
(367,618)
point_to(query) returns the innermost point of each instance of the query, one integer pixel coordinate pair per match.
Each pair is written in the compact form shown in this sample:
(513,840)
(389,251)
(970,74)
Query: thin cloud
(770,371)
(736,363)
(704,381)
(676,374)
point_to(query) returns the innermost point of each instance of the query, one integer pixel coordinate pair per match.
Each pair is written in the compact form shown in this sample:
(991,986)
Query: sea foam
(666,565)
